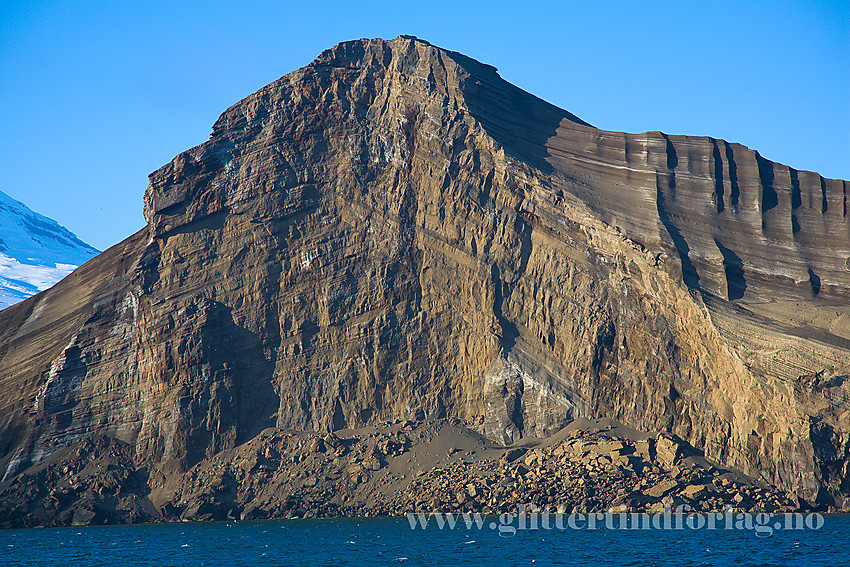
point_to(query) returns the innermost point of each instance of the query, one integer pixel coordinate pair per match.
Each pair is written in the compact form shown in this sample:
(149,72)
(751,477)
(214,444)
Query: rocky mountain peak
(382,88)
(393,232)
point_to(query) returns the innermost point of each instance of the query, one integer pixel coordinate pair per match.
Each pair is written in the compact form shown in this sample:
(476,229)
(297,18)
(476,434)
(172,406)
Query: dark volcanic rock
(394,232)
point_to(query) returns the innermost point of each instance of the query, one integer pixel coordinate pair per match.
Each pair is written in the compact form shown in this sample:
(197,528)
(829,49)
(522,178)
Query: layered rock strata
(394,232)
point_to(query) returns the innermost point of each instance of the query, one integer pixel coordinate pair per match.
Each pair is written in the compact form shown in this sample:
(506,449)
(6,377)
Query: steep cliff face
(394,231)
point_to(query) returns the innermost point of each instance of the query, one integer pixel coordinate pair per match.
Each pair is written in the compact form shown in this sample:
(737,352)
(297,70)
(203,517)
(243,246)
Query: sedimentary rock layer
(394,232)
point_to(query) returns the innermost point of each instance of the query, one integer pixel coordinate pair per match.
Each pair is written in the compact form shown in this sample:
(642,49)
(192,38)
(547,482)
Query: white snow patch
(35,252)
(19,281)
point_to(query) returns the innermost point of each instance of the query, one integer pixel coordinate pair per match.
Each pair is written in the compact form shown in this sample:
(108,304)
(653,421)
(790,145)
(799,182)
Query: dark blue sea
(393,542)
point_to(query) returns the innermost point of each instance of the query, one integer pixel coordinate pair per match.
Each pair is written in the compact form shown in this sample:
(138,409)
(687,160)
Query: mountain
(35,252)
(393,232)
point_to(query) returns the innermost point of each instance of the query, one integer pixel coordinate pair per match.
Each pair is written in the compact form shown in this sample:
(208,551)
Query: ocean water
(391,541)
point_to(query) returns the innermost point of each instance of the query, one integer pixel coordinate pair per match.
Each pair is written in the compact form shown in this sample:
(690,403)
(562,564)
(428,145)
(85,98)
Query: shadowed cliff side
(394,232)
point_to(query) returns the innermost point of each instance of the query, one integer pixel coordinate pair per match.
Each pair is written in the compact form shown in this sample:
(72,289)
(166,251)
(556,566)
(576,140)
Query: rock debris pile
(386,470)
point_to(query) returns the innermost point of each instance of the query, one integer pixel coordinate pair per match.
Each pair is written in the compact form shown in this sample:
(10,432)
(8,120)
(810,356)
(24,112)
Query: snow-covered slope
(35,251)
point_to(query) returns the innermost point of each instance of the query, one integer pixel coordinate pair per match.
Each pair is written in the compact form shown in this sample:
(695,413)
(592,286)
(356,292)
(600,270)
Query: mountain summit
(393,232)
(35,252)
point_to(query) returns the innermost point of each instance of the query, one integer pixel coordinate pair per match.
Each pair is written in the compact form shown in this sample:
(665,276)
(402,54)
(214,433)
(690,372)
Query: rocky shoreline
(385,470)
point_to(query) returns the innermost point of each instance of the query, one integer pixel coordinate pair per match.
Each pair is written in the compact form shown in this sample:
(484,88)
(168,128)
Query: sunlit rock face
(394,231)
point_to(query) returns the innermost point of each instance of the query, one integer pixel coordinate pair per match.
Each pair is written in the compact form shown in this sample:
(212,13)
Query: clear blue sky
(96,95)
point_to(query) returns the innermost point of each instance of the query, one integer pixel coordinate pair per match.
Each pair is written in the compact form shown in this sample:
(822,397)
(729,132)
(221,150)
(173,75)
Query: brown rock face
(394,232)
